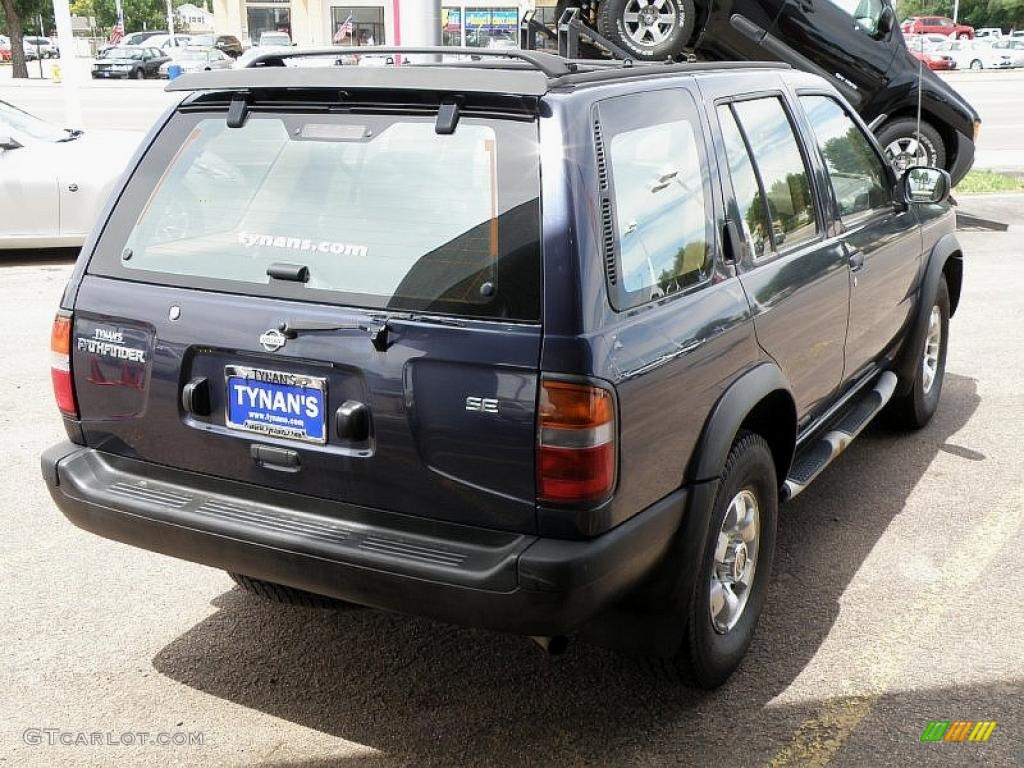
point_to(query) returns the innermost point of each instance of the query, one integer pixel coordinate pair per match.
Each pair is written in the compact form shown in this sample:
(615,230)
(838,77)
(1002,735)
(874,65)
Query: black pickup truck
(856,45)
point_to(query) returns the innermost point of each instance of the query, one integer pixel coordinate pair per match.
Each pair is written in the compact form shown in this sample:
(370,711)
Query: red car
(934,60)
(5,55)
(924,25)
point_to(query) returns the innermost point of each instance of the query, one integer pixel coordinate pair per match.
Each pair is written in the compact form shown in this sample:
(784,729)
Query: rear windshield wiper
(378,333)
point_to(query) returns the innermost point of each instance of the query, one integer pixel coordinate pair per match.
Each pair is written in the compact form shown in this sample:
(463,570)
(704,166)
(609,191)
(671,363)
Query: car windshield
(16,121)
(384,211)
(277,38)
(122,53)
(193,55)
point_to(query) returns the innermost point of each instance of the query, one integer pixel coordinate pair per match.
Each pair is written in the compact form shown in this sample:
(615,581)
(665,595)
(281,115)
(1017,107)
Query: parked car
(975,54)
(1015,49)
(129,62)
(165,42)
(196,60)
(935,60)
(988,32)
(53,181)
(922,25)
(275,40)
(924,43)
(39,48)
(132,39)
(258,371)
(5,52)
(228,44)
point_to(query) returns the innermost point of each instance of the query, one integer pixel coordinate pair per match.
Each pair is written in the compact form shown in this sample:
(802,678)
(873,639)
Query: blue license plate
(291,406)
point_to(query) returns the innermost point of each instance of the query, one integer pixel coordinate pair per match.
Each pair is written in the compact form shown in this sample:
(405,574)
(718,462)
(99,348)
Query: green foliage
(151,14)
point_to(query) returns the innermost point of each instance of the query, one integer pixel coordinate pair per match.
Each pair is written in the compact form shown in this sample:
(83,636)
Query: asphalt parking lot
(895,601)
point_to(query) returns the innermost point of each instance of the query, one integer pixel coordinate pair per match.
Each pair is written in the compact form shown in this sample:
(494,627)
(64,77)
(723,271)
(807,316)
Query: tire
(647,44)
(279,593)
(139,74)
(963,36)
(976,65)
(709,654)
(916,408)
(900,136)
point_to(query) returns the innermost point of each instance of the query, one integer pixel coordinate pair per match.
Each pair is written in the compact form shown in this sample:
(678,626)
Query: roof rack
(548,63)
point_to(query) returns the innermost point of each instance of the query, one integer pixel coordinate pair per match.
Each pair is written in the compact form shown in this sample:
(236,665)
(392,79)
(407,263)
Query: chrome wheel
(932,344)
(732,575)
(648,23)
(907,152)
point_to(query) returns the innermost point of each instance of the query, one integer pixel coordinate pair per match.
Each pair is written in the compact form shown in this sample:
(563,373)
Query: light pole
(66,49)
(956,11)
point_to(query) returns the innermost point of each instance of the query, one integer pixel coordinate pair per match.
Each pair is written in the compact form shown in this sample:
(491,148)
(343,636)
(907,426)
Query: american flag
(117,33)
(344,30)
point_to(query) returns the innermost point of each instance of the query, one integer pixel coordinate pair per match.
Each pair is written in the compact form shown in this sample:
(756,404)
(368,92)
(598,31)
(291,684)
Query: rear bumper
(478,577)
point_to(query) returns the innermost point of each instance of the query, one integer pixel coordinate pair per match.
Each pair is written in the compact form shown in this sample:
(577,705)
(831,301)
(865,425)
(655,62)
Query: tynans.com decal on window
(250,240)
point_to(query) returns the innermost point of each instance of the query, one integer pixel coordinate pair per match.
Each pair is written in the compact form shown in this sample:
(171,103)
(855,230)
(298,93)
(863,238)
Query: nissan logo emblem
(273,340)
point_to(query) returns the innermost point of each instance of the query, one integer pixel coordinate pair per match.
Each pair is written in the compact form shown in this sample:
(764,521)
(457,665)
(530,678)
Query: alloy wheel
(732,575)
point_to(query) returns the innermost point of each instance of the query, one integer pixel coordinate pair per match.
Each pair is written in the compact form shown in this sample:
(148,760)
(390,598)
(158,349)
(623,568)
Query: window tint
(744,184)
(385,212)
(855,169)
(782,170)
(661,208)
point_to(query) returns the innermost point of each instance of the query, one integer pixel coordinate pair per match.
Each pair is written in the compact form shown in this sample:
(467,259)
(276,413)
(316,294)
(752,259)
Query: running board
(814,457)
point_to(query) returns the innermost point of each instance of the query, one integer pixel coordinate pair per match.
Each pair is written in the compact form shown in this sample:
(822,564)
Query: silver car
(196,60)
(53,180)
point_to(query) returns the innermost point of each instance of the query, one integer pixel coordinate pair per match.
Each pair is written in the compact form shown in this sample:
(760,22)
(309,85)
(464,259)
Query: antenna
(920,83)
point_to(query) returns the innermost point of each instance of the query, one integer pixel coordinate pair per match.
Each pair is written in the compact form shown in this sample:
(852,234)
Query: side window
(781,169)
(746,189)
(864,12)
(660,203)
(858,177)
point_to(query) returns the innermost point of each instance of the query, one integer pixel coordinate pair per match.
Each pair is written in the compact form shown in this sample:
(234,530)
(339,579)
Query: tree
(138,14)
(18,14)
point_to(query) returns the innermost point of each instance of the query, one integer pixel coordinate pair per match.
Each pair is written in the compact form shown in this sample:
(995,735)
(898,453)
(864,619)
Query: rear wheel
(650,29)
(906,146)
(279,593)
(140,74)
(916,408)
(963,36)
(976,64)
(722,612)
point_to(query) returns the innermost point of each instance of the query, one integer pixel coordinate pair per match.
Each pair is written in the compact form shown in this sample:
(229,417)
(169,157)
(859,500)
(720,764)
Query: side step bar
(814,457)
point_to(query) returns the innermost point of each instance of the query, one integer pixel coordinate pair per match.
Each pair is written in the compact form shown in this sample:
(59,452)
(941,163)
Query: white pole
(170,22)
(956,11)
(68,65)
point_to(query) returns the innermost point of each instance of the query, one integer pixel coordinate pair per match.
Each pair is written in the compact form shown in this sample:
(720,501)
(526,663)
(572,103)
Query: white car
(1015,48)
(975,54)
(38,48)
(275,40)
(925,43)
(989,32)
(164,43)
(195,60)
(53,181)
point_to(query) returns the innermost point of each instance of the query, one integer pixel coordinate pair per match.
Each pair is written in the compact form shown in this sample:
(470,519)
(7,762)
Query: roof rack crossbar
(548,63)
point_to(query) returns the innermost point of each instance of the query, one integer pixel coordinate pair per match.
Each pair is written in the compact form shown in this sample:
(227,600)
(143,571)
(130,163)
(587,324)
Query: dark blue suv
(518,343)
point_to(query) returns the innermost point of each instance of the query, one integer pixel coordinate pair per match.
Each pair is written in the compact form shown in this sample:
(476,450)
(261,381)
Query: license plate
(277,404)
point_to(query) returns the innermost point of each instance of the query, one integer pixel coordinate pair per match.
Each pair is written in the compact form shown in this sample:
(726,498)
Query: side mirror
(886,21)
(9,142)
(922,184)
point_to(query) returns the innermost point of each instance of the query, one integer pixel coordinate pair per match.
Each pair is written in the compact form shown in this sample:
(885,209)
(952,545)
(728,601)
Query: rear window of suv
(383,211)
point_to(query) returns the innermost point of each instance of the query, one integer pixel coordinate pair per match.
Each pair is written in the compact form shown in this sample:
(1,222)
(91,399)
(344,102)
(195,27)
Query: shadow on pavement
(421,692)
(22,257)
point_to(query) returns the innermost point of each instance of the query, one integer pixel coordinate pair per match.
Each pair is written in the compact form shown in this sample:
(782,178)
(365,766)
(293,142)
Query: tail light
(60,367)
(576,444)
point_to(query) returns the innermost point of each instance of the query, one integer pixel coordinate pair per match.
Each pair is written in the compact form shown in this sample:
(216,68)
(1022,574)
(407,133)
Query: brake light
(576,444)
(60,366)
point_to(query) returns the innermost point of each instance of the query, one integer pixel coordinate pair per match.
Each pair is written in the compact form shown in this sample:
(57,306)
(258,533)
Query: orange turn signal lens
(567,405)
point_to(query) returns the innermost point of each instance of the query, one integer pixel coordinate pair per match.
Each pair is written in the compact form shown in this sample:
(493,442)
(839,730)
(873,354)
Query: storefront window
(357,26)
(451,26)
(268,18)
(492,27)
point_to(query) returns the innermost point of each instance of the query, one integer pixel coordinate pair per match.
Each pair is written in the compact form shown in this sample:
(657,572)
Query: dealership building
(350,23)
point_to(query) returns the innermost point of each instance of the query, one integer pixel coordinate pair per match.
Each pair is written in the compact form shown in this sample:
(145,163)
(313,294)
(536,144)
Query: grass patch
(987,182)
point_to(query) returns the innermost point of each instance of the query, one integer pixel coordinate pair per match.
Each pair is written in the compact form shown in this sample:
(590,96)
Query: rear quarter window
(384,212)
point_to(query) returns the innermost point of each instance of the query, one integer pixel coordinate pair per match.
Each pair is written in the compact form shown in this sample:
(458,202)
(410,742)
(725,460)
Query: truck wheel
(140,74)
(916,408)
(963,36)
(650,29)
(732,580)
(279,593)
(906,147)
